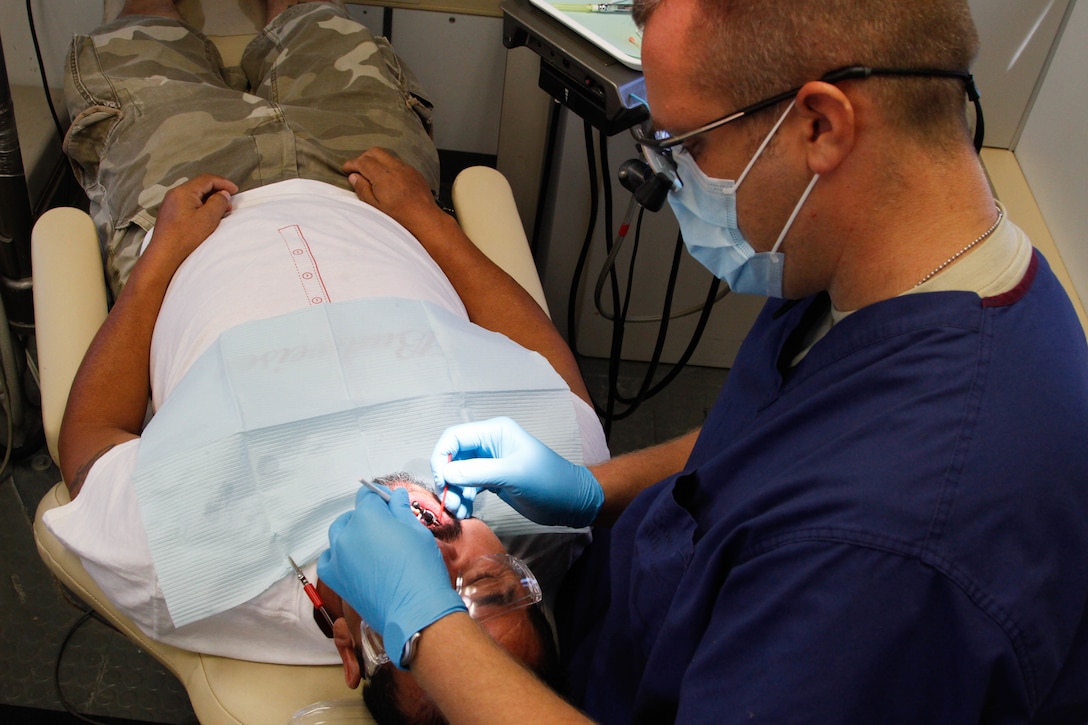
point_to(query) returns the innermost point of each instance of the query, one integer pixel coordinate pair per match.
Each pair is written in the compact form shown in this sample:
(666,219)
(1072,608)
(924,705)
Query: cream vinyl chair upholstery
(70,304)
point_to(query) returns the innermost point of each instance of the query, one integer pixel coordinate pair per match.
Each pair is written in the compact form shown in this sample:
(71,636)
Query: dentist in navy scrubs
(884,517)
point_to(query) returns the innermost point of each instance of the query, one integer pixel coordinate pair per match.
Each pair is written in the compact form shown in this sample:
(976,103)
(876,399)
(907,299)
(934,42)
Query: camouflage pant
(152,106)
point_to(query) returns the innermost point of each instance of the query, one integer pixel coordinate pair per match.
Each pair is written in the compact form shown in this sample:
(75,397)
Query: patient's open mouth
(427,517)
(430,513)
(428,510)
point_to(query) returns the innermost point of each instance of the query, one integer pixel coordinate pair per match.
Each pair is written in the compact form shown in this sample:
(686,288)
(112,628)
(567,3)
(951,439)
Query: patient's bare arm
(494,300)
(108,400)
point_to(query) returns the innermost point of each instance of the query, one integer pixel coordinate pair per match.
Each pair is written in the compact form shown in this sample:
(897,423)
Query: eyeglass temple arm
(859,71)
(843,74)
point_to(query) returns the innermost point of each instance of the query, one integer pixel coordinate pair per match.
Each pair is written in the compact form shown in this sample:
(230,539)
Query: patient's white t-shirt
(282,248)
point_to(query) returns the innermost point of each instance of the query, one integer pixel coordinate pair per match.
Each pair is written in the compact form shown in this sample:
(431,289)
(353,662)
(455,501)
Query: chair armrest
(487,212)
(69,305)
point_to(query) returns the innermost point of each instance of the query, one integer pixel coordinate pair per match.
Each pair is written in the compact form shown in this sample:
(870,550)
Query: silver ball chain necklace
(957,255)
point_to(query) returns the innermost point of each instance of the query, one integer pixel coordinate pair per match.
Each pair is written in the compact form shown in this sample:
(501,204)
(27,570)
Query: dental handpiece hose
(311,591)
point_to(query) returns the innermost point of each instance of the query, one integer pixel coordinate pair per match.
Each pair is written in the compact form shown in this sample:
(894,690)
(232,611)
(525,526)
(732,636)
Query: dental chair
(70,304)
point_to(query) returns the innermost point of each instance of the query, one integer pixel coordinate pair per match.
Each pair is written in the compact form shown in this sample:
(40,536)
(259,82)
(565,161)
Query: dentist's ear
(830,119)
(345,645)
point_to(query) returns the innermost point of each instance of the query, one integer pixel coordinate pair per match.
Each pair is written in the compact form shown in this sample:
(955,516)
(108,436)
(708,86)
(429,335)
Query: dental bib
(263,443)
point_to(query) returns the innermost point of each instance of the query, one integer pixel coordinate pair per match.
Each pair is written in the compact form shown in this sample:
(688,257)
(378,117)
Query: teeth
(426,517)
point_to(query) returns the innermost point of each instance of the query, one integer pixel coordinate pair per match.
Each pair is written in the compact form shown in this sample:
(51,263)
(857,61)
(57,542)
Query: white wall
(1053,149)
(1017,37)
(56,21)
(466,86)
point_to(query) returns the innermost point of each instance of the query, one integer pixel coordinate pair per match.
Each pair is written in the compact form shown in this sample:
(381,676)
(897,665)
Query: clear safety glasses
(490,586)
(657,144)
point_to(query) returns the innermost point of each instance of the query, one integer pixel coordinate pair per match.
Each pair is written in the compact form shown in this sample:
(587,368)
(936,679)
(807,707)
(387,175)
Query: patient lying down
(260,240)
(240,275)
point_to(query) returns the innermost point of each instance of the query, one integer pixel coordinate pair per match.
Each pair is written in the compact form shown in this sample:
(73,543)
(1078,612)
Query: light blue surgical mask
(706,209)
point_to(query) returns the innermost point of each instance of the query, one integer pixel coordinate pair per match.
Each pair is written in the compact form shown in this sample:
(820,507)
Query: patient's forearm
(109,394)
(493,298)
(624,477)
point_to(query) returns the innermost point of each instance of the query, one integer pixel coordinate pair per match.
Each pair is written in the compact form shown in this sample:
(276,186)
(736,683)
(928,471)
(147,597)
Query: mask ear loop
(808,189)
(796,211)
(762,146)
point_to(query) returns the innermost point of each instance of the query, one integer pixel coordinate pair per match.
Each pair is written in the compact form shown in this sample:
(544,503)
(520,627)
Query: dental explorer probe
(610,7)
(376,489)
(425,516)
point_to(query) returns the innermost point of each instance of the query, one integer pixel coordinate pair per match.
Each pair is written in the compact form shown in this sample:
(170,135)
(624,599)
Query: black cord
(583,254)
(619,318)
(554,117)
(693,343)
(41,69)
(663,327)
(647,388)
(631,267)
(620,321)
(646,392)
(87,615)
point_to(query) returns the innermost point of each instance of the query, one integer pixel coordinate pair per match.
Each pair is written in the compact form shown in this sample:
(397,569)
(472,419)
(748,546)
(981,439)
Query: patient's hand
(382,180)
(188,215)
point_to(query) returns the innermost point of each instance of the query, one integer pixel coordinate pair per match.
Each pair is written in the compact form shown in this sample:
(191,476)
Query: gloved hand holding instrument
(400,584)
(499,455)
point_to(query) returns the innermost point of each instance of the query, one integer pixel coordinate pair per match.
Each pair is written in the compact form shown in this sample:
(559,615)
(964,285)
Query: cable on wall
(617,406)
(41,69)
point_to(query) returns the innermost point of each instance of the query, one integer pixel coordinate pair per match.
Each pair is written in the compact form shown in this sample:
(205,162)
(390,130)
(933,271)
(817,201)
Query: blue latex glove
(498,455)
(387,566)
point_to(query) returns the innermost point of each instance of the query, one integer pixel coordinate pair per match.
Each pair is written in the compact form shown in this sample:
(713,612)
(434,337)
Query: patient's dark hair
(391,479)
(380,692)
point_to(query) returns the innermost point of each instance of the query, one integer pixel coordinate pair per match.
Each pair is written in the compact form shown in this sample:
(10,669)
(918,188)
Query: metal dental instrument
(428,518)
(376,489)
(425,516)
(311,592)
(612,7)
